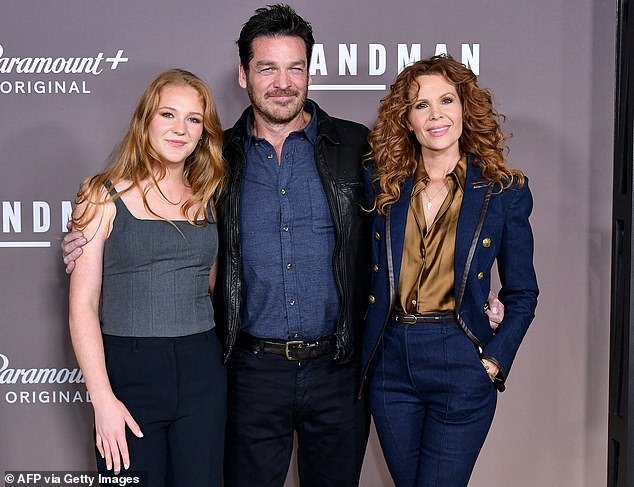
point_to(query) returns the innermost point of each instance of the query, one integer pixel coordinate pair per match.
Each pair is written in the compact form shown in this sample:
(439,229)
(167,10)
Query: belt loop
(135,345)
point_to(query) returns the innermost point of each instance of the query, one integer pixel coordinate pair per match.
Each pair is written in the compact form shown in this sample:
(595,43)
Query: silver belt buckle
(406,319)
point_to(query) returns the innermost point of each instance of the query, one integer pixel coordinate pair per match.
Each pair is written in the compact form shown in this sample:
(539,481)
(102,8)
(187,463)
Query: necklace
(430,200)
(164,196)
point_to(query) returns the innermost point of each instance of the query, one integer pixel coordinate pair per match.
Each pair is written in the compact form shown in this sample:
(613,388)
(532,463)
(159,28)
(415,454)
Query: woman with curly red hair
(446,207)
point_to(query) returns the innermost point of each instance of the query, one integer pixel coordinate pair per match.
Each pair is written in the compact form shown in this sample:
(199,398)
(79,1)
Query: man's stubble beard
(275,117)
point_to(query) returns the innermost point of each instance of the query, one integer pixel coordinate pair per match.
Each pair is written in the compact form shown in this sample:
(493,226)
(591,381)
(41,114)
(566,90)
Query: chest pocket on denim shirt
(320,211)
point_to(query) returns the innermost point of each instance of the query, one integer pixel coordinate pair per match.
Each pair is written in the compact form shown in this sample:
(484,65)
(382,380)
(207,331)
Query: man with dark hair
(293,269)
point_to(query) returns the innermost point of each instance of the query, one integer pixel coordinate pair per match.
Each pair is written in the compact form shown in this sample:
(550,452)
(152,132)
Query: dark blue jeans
(175,390)
(432,403)
(270,398)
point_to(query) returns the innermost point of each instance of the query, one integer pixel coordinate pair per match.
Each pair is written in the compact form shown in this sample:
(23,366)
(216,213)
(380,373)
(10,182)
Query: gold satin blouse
(426,282)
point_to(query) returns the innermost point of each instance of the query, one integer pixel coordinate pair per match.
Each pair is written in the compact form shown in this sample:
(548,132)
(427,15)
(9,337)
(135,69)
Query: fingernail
(139,434)
(126,466)
(494,310)
(108,467)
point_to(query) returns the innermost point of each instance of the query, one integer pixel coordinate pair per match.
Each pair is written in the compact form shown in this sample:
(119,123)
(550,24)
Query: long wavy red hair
(136,160)
(396,151)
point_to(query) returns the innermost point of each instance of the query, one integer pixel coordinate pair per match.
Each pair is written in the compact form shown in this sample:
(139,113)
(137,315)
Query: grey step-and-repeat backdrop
(550,65)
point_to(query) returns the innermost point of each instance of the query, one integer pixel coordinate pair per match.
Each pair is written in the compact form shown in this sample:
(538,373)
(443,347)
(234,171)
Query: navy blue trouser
(270,398)
(432,403)
(175,389)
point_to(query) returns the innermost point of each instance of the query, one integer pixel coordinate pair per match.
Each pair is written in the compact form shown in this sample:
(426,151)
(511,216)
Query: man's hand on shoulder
(71,248)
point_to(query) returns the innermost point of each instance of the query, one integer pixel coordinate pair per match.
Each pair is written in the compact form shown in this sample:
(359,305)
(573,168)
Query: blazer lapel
(475,191)
(396,225)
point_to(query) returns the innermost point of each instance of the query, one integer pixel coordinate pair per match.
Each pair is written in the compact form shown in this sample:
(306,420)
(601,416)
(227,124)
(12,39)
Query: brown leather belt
(411,319)
(291,349)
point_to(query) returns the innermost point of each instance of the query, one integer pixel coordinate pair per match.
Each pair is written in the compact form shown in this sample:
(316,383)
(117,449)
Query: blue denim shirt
(288,240)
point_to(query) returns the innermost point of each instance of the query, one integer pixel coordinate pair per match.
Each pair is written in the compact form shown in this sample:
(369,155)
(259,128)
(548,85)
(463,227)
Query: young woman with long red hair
(141,317)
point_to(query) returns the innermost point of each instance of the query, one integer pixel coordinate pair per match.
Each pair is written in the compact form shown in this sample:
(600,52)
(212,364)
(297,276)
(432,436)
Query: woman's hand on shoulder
(111,419)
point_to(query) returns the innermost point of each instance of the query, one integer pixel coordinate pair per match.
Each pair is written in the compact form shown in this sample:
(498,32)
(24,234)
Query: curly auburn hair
(396,150)
(136,160)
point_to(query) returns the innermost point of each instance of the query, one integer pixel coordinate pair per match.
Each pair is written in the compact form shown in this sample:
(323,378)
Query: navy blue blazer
(493,225)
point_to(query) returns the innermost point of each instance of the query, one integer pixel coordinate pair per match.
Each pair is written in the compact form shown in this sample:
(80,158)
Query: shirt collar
(459,173)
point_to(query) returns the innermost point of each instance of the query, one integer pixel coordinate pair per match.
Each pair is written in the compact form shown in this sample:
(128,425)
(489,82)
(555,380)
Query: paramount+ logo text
(37,75)
(41,385)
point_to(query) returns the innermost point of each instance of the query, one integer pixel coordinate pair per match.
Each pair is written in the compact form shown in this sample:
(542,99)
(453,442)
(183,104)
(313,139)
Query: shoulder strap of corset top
(118,202)
(110,187)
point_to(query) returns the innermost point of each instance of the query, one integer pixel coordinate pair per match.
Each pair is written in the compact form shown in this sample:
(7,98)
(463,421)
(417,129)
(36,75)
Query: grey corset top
(156,277)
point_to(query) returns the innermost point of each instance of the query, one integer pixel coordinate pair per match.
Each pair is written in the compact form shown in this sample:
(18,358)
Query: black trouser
(175,389)
(270,398)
